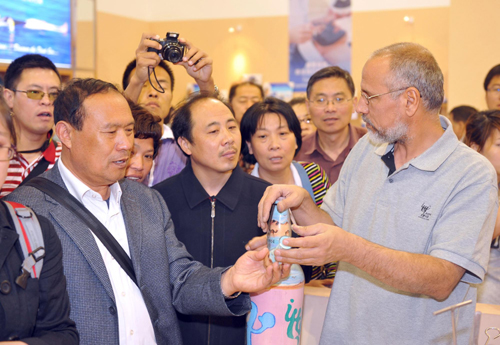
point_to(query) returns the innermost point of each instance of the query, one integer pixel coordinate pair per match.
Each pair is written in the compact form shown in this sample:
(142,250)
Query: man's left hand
(253,272)
(198,65)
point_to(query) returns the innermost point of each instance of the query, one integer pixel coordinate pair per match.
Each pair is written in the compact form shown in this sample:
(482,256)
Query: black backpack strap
(42,165)
(67,200)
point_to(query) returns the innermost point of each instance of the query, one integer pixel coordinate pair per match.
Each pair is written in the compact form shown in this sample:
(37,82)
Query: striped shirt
(20,168)
(320,184)
(318,179)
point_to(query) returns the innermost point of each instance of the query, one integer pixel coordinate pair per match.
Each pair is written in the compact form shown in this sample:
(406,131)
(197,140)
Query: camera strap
(157,82)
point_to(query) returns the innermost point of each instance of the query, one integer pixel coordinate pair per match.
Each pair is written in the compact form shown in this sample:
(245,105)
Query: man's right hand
(145,59)
(294,197)
(297,199)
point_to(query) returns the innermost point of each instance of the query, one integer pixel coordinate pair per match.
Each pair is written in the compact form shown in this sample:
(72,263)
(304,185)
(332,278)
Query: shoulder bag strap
(30,237)
(40,168)
(304,177)
(42,165)
(67,200)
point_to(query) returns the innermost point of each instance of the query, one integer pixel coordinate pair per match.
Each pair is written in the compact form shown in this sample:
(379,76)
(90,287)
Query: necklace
(41,148)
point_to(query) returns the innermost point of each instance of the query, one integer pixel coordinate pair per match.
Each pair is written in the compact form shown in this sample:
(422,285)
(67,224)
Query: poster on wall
(320,34)
(36,27)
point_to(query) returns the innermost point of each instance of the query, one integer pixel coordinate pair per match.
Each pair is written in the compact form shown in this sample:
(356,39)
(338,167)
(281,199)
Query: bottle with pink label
(276,315)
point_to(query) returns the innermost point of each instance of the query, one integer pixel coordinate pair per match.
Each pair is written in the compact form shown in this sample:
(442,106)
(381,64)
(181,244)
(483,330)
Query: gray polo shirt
(442,203)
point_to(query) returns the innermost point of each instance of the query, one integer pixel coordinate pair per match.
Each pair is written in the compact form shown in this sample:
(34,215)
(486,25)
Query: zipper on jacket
(212,215)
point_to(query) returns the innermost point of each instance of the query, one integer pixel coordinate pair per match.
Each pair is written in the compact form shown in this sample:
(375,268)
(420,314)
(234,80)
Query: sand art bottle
(276,315)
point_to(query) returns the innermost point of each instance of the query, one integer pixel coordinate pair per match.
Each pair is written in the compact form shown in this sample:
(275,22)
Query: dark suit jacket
(168,277)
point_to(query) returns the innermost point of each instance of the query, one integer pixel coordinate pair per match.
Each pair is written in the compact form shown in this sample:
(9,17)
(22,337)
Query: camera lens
(174,55)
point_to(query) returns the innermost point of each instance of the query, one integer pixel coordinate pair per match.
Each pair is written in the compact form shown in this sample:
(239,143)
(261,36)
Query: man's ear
(8,95)
(308,105)
(355,102)
(413,100)
(65,132)
(249,145)
(185,145)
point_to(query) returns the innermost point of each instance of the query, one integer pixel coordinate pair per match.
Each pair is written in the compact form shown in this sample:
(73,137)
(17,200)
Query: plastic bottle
(276,315)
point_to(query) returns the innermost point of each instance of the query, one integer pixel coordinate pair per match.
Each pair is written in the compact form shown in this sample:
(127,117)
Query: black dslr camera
(171,49)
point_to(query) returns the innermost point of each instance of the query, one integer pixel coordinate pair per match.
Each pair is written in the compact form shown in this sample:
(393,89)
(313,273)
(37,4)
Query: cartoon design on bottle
(267,320)
(283,301)
(279,229)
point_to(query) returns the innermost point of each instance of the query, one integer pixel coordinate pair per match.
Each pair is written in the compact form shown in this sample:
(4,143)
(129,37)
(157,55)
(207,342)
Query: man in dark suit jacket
(95,126)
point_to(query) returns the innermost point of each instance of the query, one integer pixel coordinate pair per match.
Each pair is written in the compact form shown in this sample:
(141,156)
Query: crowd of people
(152,215)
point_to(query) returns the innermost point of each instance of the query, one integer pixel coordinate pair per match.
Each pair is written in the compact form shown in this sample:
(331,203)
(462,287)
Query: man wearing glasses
(330,101)
(492,88)
(32,84)
(410,218)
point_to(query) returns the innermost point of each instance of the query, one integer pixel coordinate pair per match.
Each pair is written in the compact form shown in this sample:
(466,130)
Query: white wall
(85,10)
(140,10)
(384,5)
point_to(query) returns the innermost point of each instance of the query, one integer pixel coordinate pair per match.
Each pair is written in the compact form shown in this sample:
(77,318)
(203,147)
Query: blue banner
(36,27)
(320,34)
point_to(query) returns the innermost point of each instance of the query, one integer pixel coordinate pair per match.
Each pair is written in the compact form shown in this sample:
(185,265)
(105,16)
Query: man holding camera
(156,96)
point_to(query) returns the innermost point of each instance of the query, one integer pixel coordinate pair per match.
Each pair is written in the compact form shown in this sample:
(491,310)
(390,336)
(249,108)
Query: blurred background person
(492,88)
(330,101)
(483,135)
(147,142)
(243,95)
(271,134)
(458,117)
(299,107)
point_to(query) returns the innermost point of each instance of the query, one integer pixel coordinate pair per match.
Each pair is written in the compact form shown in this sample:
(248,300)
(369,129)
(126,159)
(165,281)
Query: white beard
(398,132)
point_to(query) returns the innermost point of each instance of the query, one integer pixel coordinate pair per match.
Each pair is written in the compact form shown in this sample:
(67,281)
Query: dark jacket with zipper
(234,214)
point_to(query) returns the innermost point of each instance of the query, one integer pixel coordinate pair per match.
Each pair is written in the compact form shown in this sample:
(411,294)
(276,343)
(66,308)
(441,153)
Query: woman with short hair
(271,136)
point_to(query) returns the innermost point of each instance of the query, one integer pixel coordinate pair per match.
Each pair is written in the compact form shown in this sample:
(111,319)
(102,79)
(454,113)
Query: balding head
(413,65)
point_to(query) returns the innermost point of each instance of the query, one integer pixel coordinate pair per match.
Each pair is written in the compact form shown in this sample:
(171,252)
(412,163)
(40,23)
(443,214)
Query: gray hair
(413,65)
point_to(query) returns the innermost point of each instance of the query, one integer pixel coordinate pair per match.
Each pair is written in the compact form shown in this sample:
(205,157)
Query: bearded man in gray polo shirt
(410,218)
